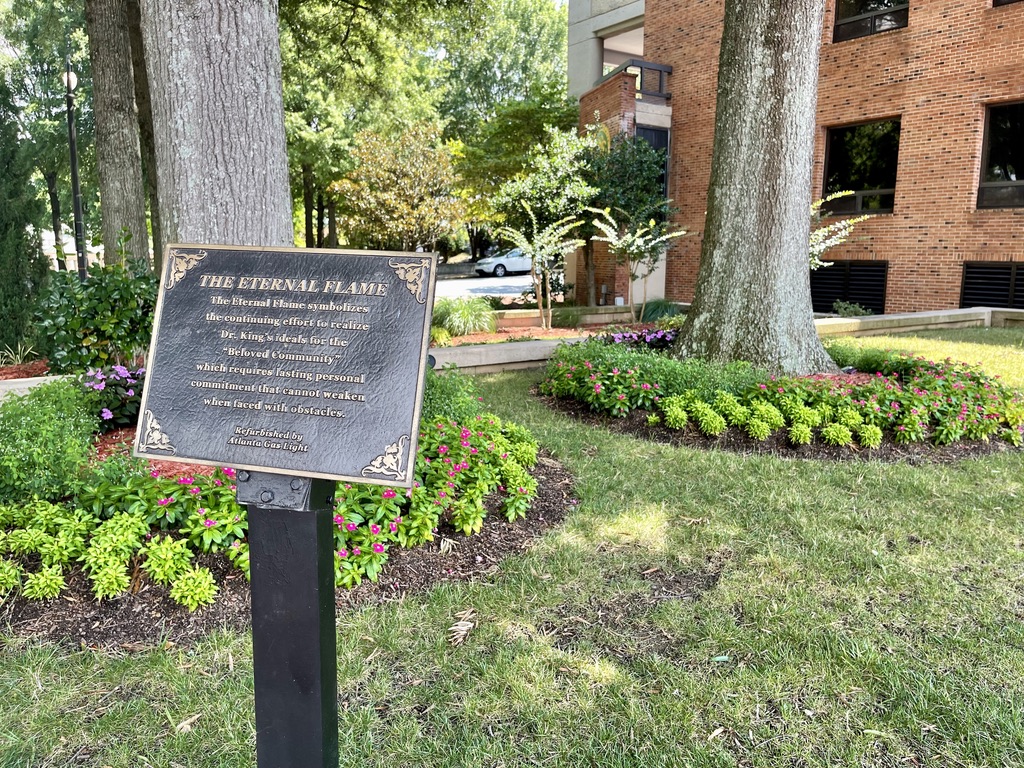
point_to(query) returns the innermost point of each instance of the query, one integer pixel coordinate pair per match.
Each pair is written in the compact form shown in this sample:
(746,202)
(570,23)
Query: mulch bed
(146,617)
(735,440)
(24,371)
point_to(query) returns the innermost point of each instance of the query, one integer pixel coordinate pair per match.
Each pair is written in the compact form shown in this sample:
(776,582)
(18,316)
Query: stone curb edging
(514,355)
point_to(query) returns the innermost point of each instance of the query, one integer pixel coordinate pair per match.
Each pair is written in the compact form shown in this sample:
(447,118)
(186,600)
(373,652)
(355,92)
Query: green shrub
(849,309)
(45,441)
(768,413)
(675,413)
(758,429)
(461,317)
(103,321)
(440,337)
(710,422)
(660,309)
(800,434)
(869,435)
(736,415)
(10,576)
(449,395)
(115,393)
(44,584)
(842,353)
(836,434)
(195,587)
(166,558)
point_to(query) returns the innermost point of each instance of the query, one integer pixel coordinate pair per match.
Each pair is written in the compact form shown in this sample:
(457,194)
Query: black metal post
(76,189)
(294,638)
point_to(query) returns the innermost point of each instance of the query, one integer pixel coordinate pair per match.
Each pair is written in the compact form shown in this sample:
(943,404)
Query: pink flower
(351,527)
(166,501)
(154,473)
(339,520)
(374,529)
(356,551)
(209,523)
(342,553)
(378,548)
(388,493)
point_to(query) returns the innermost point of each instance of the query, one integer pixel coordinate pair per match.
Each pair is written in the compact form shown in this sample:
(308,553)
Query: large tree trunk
(215,81)
(753,295)
(118,157)
(58,237)
(145,114)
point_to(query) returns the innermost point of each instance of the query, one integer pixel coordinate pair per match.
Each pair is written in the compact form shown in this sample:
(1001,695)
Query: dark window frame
(842,206)
(846,28)
(997,3)
(986,187)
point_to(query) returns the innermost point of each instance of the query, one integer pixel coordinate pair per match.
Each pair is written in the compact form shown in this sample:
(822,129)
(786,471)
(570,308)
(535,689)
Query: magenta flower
(357,551)
(374,529)
(165,502)
(209,523)
(339,520)
(342,553)
(154,473)
(378,548)
(389,493)
(351,527)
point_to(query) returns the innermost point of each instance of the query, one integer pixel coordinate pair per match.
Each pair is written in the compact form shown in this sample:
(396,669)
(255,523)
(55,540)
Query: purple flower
(209,523)
(131,393)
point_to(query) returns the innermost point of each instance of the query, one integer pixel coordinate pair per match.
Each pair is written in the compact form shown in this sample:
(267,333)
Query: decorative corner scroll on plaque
(153,438)
(182,262)
(390,462)
(415,275)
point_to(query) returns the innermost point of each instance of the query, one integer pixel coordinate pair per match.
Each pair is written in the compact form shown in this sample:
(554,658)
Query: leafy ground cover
(697,608)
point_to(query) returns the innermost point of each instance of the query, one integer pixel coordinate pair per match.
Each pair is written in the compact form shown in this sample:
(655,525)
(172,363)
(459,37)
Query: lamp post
(70,82)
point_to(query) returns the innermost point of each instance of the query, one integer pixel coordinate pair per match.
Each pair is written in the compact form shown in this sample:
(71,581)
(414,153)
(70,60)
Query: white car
(503,263)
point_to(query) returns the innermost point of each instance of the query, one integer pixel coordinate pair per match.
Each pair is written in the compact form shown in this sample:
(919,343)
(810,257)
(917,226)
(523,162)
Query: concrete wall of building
(938,75)
(589,22)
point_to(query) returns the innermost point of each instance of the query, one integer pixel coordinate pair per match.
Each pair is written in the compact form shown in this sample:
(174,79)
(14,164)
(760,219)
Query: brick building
(920,113)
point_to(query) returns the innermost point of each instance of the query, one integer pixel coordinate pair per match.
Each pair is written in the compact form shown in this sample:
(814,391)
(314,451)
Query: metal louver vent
(989,284)
(859,282)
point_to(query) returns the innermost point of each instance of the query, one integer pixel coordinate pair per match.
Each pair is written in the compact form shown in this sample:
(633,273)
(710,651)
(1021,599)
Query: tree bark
(320,220)
(591,270)
(753,297)
(307,204)
(145,114)
(118,157)
(58,242)
(218,118)
(332,222)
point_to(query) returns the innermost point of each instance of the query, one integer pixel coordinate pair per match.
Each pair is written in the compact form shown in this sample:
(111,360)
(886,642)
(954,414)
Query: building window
(859,18)
(862,159)
(1002,169)
(997,3)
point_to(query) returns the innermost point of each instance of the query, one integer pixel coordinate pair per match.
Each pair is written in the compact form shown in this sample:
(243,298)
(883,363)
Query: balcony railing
(651,79)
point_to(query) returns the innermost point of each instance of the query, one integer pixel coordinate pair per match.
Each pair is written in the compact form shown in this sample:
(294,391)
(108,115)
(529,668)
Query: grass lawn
(698,609)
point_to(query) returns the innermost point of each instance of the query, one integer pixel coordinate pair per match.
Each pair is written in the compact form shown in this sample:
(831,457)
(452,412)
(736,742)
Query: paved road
(463,287)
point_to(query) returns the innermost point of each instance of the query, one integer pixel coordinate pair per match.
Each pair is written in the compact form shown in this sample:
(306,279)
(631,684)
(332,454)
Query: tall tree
(41,33)
(118,154)
(753,297)
(221,161)
(22,264)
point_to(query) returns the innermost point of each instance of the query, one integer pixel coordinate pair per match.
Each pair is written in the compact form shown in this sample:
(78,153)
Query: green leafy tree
(500,149)
(629,176)
(22,264)
(40,34)
(554,185)
(401,194)
(496,53)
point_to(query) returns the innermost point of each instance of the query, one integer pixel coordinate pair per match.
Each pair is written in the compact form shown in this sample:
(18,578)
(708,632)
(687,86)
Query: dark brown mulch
(24,371)
(147,617)
(737,441)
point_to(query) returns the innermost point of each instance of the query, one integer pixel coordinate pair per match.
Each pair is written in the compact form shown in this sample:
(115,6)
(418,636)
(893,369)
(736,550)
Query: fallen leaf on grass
(186,725)
(460,630)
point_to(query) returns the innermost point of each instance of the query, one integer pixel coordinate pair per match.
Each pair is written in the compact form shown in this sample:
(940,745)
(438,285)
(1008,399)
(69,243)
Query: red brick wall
(938,74)
(614,103)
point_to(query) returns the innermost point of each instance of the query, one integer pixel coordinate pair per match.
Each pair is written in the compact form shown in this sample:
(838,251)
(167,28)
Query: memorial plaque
(299,362)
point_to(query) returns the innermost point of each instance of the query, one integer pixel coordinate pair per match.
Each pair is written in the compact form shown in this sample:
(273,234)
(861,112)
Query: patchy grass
(698,609)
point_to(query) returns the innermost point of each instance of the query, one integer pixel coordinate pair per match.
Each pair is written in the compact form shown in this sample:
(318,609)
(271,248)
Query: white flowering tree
(640,246)
(546,248)
(824,237)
